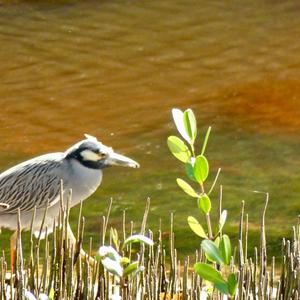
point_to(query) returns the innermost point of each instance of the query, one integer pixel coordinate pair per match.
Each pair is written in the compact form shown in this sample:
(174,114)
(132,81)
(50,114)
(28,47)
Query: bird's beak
(115,159)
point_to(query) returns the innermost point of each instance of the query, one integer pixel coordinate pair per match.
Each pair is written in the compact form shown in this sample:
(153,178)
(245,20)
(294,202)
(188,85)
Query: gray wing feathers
(29,185)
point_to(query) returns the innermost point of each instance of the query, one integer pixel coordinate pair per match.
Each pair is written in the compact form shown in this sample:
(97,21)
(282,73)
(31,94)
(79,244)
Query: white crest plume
(90,137)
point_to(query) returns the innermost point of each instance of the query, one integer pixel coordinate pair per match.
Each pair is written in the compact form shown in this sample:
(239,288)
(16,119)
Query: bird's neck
(84,181)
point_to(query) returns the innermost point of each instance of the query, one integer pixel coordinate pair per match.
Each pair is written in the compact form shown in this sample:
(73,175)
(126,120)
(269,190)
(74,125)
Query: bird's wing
(34,183)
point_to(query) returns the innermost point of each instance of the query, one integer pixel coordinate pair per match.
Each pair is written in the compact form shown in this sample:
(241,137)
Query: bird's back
(33,183)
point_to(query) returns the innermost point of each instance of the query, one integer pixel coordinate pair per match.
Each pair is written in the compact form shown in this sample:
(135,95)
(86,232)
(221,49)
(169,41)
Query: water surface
(114,69)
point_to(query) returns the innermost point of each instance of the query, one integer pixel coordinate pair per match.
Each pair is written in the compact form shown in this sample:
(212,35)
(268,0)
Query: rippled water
(115,69)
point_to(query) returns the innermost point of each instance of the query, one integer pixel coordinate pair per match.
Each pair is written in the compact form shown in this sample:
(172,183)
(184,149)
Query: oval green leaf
(124,260)
(178,148)
(196,227)
(232,284)
(204,203)
(109,251)
(205,140)
(187,188)
(222,287)
(115,238)
(222,220)
(179,123)
(225,248)
(208,273)
(131,268)
(190,171)
(138,238)
(212,251)
(190,124)
(112,266)
(51,294)
(201,168)
(217,241)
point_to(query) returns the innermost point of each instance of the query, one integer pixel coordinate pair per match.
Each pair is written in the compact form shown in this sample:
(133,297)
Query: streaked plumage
(33,183)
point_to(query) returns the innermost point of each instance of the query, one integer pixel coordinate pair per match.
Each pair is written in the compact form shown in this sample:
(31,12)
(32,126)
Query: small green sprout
(115,263)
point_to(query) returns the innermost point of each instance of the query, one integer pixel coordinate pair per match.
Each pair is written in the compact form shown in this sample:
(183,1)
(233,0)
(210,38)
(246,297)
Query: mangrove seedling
(215,245)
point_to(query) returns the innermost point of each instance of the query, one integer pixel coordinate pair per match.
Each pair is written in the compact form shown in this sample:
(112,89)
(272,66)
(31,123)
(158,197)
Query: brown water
(115,69)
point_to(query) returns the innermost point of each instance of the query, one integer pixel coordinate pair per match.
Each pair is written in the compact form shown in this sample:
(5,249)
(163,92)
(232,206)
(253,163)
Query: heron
(35,184)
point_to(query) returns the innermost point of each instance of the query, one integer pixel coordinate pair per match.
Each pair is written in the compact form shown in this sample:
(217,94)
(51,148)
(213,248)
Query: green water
(115,69)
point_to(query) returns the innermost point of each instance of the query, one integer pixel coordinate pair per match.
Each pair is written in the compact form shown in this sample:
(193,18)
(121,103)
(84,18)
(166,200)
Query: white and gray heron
(36,183)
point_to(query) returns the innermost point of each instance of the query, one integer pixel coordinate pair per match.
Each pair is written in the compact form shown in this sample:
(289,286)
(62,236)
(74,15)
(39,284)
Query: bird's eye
(102,155)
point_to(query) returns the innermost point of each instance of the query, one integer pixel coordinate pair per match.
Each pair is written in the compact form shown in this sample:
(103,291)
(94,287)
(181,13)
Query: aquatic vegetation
(135,263)
(218,264)
(116,264)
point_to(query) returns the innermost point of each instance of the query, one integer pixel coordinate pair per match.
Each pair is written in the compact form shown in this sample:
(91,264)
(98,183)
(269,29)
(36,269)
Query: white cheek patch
(90,155)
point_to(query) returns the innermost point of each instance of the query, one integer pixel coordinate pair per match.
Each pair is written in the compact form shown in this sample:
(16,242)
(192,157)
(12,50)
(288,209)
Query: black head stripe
(76,154)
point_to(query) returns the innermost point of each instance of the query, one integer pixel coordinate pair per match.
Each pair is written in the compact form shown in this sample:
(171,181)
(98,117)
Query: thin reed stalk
(54,265)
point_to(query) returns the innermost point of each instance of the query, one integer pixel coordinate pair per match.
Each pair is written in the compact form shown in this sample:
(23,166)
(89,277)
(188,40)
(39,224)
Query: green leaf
(124,260)
(217,241)
(204,203)
(115,238)
(131,268)
(232,284)
(178,148)
(138,238)
(225,248)
(187,188)
(51,294)
(212,251)
(208,273)
(112,266)
(179,123)
(201,168)
(205,140)
(222,287)
(196,227)
(110,260)
(190,171)
(222,220)
(190,124)
(108,251)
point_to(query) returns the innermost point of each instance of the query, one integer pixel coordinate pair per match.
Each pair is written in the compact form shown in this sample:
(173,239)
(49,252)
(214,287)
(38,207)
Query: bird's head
(93,154)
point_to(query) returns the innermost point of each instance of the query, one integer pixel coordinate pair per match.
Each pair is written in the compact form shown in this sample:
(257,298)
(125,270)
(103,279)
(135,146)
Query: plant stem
(210,235)
(202,188)
(193,149)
